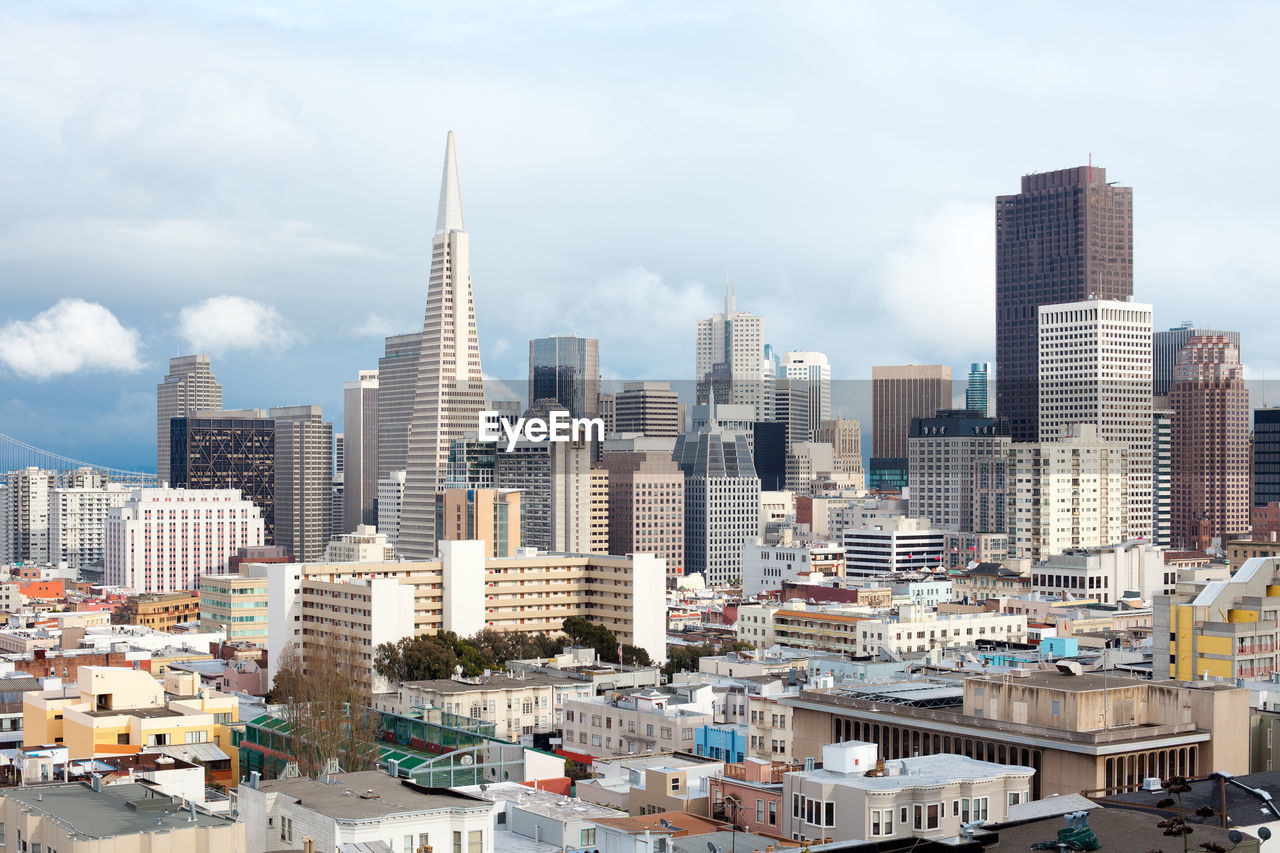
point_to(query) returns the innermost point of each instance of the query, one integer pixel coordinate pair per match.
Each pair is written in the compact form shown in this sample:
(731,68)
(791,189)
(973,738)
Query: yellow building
(235,604)
(122,711)
(161,611)
(490,515)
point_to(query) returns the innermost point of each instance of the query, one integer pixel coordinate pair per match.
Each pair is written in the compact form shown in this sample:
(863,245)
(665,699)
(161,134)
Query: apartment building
(161,611)
(646,500)
(916,629)
(768,567)
(78,521)
(748,795)
(1106,574)
(490,515)
(638,722)
(364,544)
(237,605)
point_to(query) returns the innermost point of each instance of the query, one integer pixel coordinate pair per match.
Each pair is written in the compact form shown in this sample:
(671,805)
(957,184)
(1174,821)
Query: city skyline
(295,271)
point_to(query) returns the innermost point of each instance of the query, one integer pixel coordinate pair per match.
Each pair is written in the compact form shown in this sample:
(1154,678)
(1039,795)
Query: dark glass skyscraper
(566,369)
(227,450)
(1266,456)
(1066,237)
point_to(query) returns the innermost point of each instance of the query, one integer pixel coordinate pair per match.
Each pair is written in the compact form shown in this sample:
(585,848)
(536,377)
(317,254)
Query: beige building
(362,545)
(647,408)
(641,721)
(189,387)
(599,510)
(900,393)
(845,437)
(646,500)
(490,515)
(917,629)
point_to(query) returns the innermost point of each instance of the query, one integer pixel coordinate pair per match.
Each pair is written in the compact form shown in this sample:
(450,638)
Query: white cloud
(73,336)
(376,326)
(225,323)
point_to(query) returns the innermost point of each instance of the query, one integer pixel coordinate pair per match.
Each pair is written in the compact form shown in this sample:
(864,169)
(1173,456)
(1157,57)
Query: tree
(635,656)
(415,659)
(685,658)
(584,632)
(324,692)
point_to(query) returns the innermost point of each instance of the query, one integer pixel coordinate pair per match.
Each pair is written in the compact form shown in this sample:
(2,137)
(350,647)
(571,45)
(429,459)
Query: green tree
(584,632)
(635,656)
(415,659)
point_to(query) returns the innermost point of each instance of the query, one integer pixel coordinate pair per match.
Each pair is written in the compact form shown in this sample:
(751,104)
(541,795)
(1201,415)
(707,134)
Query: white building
(924,797)
(845,436)
(365,808)
(813,368)
(766,567)
(916,629)
(1096,368)
(1067,494)
(735,341)
(721,502)
(808,461)
(390,500)
(163,540)
(641,721)
(359,464)
(364,545)
(78,522)
(24,515)
(776,509)
(892,543)
(1107,574)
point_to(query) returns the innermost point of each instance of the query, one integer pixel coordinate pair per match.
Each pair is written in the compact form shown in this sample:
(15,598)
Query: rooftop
(116,810)
(347,797)
(545,803)
(500,681)
(667,823)
(923,771)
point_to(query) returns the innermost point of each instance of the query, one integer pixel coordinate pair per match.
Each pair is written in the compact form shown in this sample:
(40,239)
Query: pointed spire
(450,216)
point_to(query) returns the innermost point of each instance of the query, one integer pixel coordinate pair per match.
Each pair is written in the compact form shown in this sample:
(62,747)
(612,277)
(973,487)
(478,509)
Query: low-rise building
(637,722)
(544,816)
(160,611)
(1107,574)
(723,742)
(614,780)
(235,604)
(988,580)
(915,629)
(363,545)
(748,795)
(582,663)
(767,567)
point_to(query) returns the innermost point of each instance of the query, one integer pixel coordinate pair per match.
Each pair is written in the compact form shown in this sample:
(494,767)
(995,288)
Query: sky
(259,182)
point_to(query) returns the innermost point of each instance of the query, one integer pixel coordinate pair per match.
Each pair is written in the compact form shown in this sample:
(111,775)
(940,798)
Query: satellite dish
(711,848)
(1236,836)
(1264,833)
(663,822)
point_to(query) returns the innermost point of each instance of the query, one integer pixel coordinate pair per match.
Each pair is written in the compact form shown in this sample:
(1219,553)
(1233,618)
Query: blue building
(975,393)
(724,743)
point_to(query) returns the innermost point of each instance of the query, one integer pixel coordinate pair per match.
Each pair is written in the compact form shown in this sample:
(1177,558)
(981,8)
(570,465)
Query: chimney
(808,764)
(254,777)
(96,781)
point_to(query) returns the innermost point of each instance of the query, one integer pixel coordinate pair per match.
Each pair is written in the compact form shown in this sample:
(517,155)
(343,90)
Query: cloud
(376,326)
(73,336)
(225,323)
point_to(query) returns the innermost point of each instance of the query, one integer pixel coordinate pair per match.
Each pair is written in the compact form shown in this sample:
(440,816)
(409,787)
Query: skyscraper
(566,369)
(1266,457)
(1095,368)
(1210,442)
(898,394)
(958,470)
(813,369)
(648,408)
(721,502)
(646,500)
(360,452)
(1066,237)
(1161,471)
(845,437)
(189,387)
(975,393)
(1164,352)
(397,381)
(449,395)
(730,359)
(233,449)
(304,479)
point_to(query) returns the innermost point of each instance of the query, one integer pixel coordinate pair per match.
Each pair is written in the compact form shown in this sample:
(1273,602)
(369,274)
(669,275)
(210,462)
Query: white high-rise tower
(729,362)
(450,389)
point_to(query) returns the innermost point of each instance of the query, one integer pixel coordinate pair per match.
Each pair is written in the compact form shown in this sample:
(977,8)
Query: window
(979,808)
(587,838)
(773,814)
(666,733)
(829,814)
(422,838)
(760,811)
(158,740)
(286,829)
(475,841)
(197,737)
(1014,798)
(932,813)
(457,841)
(881,822)
(675,783)
(408,844)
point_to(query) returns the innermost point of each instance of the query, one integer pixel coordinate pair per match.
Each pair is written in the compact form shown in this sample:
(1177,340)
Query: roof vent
(369,795)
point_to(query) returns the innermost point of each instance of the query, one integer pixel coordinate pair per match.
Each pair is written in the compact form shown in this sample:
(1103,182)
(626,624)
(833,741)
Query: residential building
(518,705)
(850,799)
(1165,347)
(363,545)
(78,521)
(729,364)
(768,567)
(304,477)
(649,408)
(599,509)
(160,611)
(646,500)
(397,381)
(237,605)
(1239,551)
(1134,569)
(163,540)
(721,502)
(845,437)
(637,722)
(915,629)
(449,394)
(189,387)
(24,533)
(722,741)
(1066,236)
(958,469)
(583,664)
(390,501)
(233,449)
(898,394)
(621,781)
(1068,494)
(891,544)
(360,453)
(961,549)
(490,515)
(1095,368)
(748,794)
(1210,478)
(975,392)
(813,369)
(544,816)
(988,580)
(566,369)
(384,813)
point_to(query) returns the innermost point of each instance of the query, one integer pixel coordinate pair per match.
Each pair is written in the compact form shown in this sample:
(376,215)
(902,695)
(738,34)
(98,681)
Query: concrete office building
(230,449)
(768,567)
(607,409)
(397,380)
(1210,478)
(554,480)
(891,544)
(304,472)
(25,516)
(1067,494)
(566,369)
(957,463)
(1162,472)
(471,463)
(898,394)
(648,408)
(163,540)
(1066,236)
(236,604)
(77,522)
(1164,352)
(646,500)
(808,461)
(1106,574)
(845,437)
(813,369)
(362,545)
(975,392)
(1095,368)
(360,452)
(449,395)
(721,502)
(189,387)
(599,520)
(791,408)
(489,515)
(390,499)
(729,361)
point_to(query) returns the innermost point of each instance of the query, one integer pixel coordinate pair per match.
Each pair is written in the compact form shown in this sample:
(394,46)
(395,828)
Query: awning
(194,752)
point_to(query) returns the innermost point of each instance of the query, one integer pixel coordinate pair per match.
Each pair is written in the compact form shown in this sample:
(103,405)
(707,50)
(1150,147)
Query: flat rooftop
(143,713)
(1086,682)
(923,771)
(124,809)
(347,797)
(545,803)
(492,682)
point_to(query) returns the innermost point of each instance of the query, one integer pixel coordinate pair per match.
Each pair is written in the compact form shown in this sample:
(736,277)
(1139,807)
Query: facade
(637,722)
(1210,477)
(768,567)
(1095,368)
(390,501)
(1162,473)
(397,381)
(236,604)
(362,545)
(233,449)
(807,462)
(891,544)
(163,540)
(729,363)
(189,387)
(1266,456)
(748,794)
(812,369)
(646,501)
(78,521)
(851,799)
(360,453)
(845,437)
(721,502)
(975,392)
(1106,574)
(566,369)
(1066,236)
(26,502)
(161,611)
(791,408)
(449,394)
(958,469)
(599,510)
(517,705)
(898,394)
(490,515)
(1067,494)
(1164,352)
(554,481)
(304,480)
(915,629)
(648,408)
